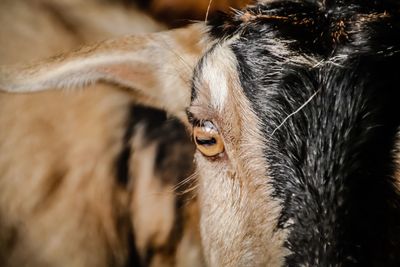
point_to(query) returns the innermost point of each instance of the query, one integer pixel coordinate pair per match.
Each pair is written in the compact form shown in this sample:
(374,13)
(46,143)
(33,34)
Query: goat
(81,192)
(293,107)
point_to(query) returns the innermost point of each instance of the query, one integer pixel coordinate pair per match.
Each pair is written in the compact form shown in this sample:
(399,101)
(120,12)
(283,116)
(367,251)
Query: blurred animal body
(293,107)
(91,178)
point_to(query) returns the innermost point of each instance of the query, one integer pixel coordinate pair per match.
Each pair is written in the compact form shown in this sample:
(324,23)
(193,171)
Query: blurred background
(37,28)
(88,177)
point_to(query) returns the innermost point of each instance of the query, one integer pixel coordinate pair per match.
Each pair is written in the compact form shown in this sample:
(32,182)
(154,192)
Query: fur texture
(308,115)
(82,177)
(331,162)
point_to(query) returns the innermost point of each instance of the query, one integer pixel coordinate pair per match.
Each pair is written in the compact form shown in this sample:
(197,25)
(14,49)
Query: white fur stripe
(217,69)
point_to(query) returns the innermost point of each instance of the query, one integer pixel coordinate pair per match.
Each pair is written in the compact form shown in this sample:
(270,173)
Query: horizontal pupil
(206,142)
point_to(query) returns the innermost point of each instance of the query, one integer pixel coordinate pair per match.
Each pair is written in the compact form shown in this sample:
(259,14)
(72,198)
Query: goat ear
(157,66)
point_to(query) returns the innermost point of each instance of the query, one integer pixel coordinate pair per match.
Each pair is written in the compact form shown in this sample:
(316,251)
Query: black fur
(133,257)
(122,162)
(122,167)
(332,162)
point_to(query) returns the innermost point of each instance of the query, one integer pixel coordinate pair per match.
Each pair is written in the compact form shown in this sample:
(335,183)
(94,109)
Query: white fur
(216,71)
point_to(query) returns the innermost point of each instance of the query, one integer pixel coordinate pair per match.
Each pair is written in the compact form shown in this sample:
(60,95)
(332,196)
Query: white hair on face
(216,71)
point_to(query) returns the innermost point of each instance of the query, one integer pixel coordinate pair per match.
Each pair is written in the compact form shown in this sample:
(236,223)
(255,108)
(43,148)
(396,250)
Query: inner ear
(157,66)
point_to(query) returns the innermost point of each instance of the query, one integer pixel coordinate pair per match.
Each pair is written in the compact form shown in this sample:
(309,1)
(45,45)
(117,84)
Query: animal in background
(91,178)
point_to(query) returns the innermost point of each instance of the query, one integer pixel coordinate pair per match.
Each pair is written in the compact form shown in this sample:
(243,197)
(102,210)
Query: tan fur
(30,32)
(124,61)
(58,185)
(153,221)
(188,252)
(153,206)
(236,229)
(60,204)
(56,191)
(35,29)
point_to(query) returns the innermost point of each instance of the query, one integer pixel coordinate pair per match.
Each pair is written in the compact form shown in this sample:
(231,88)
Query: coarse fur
(232,217)
(304,96)
(332,163)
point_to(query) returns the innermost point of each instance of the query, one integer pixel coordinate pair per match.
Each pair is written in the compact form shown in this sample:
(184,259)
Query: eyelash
(194,121)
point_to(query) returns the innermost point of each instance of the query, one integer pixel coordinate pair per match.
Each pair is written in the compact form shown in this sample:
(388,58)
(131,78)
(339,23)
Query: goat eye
(208,140)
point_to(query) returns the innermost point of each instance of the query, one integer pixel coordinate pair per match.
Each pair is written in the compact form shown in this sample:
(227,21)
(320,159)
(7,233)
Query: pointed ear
(158,67)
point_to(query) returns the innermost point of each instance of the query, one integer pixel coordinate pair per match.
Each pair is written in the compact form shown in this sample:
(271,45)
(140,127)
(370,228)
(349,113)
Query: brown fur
(58,184)
(124,61)
(34,29)
(179,12)
(60,203)
(56,180)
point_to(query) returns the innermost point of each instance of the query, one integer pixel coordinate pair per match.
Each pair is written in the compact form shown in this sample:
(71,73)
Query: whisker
(190,189)
(208,10)
(294,113)
(185,181)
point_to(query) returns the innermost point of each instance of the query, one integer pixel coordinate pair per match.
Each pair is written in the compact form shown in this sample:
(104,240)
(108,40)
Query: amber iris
(207,139)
